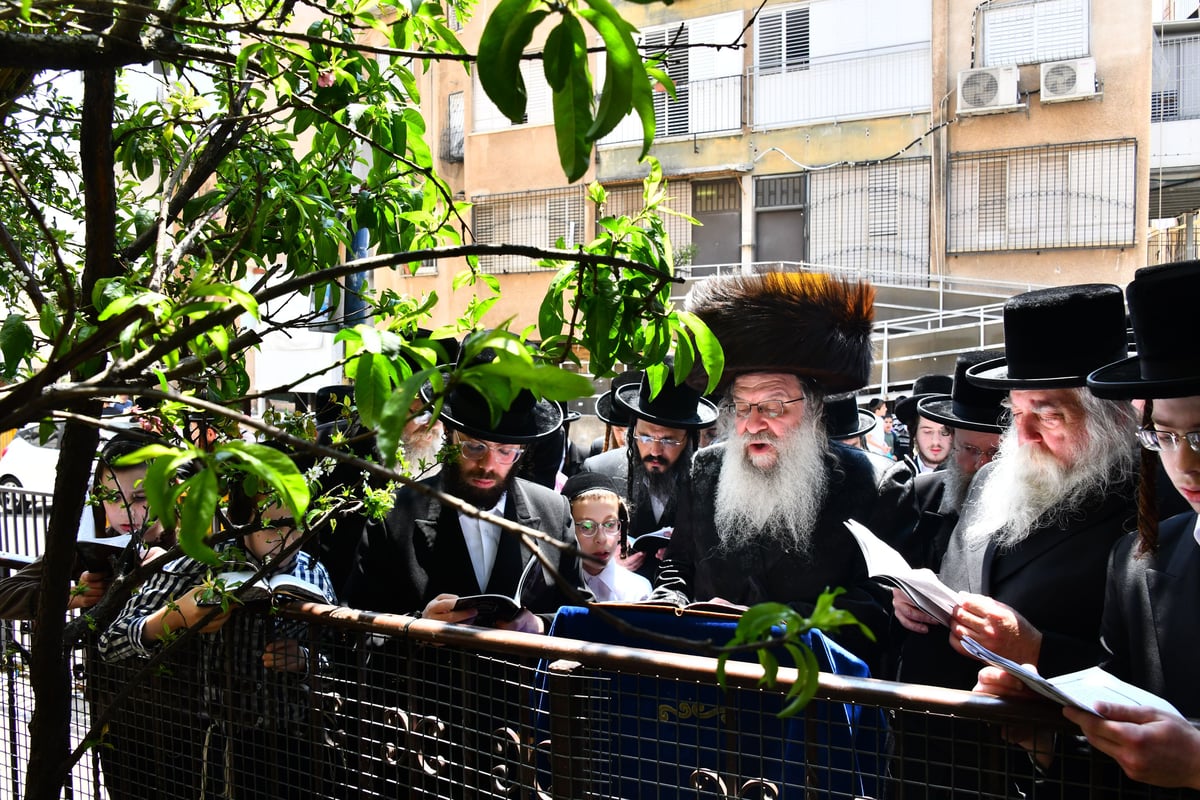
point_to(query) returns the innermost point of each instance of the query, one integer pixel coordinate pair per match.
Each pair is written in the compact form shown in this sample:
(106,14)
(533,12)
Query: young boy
(600,521)
(121,510)
(253,667)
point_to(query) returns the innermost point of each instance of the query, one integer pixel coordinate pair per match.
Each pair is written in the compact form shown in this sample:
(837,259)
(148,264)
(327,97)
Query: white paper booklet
(1082,689)
(922,586)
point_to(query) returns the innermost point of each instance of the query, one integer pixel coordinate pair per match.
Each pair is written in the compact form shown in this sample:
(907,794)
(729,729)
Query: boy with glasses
(600,519)
(655,466)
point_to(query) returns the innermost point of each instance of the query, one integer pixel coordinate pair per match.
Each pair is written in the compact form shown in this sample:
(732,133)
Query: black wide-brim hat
(1166,326)
(675,405)
(925,386)
(844,419)
(525,421)
(967,406)
(610,411)
(1053,338)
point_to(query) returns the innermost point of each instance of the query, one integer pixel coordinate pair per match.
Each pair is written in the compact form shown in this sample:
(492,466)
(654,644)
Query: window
(708,81)
(781,41)
(1033,31)
(537,107)
(873,218)
(453,140)
(626,200)
(1175,79)
(537,219)
(1034,198)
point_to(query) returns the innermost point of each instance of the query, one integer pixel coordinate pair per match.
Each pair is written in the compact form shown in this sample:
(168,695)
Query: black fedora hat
(466,410)
(924,386)
(970,407)
(844,419)
(1053,338)
(611,412)
(675,405)
(1162,306)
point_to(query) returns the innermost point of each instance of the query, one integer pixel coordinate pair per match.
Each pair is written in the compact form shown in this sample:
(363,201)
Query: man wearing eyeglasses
(1029,554)
(769,502)
(655,465)
(929,503)
(423,556)
(1149,623)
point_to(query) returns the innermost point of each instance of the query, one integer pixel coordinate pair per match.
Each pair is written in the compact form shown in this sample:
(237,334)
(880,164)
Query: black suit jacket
(1054,578)
(418,552)
(1151,624)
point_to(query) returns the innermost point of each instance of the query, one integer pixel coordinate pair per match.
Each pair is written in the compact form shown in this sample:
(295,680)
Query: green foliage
(580,118)
(769,628)
(624,313)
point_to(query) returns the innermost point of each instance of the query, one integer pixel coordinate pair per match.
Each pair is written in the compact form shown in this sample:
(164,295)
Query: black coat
(921,516)
(1054,578)
(418,552)
(696,569)
(1150,615)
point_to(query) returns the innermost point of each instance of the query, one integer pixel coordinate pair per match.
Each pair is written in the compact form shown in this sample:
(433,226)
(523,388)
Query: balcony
(866,84)
(699,107)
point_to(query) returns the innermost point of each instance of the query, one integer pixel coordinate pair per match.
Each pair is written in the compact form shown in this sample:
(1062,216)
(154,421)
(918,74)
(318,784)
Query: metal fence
(398,707)
(24,519)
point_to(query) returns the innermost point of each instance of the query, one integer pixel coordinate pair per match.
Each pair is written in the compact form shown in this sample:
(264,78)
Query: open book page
(1082,689)
(708,608)
(278,585)
(923,587)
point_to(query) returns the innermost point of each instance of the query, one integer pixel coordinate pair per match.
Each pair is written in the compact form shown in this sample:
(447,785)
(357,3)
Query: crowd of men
(1024,492)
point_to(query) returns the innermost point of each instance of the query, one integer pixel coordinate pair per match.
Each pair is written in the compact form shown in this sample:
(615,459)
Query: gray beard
(956,483)
(778,506)
(1028,489)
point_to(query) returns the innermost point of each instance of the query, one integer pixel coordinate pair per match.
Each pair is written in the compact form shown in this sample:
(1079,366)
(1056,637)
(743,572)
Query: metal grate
(1040,198)
(395,707)
(537,219)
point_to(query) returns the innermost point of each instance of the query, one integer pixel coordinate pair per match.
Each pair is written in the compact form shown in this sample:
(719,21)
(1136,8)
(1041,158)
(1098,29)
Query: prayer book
(98,553)
(269,587)
(922,586)
(650,542)
(490,608)
(1082,689)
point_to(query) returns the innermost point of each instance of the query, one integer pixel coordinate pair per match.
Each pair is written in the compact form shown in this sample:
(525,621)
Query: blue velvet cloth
(661,738)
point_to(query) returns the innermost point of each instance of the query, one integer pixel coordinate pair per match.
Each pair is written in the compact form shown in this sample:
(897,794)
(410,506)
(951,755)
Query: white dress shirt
(483,539)
(615,583)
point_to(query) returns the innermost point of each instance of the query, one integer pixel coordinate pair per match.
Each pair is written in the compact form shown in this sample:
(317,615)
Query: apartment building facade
(902,140)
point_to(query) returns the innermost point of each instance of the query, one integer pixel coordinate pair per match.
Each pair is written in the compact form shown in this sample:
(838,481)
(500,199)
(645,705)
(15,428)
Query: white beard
(1029,489)
(777,504)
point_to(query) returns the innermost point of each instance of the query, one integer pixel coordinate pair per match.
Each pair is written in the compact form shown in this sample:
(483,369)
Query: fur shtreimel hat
(809,324)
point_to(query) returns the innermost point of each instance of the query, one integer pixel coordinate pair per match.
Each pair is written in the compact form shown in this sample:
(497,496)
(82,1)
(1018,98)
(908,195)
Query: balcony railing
(699,107)
(1176,93)
(862,85)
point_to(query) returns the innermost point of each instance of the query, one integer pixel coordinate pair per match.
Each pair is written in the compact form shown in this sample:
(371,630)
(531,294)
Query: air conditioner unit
(990,90)
(1068,80)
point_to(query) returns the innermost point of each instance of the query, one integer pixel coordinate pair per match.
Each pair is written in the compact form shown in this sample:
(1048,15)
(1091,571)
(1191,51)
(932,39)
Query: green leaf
(620,68)
(16,342)
(197,514)
(507,33)
(276,469)
(370,387)
(706,344)
(395,415)
(565,58)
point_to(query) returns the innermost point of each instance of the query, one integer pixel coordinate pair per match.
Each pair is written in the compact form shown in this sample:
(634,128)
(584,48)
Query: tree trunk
(49,670)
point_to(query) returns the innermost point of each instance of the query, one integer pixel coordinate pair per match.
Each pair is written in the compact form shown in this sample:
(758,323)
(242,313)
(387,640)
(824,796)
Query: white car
(26,463)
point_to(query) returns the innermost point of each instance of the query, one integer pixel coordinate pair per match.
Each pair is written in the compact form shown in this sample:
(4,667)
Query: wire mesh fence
(395,707)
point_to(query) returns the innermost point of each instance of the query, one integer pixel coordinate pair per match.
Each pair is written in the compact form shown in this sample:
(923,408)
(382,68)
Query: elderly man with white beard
(1030,552)
(769,502)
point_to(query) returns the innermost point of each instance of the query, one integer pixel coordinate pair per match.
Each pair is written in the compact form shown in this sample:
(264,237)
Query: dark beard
(454,483)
